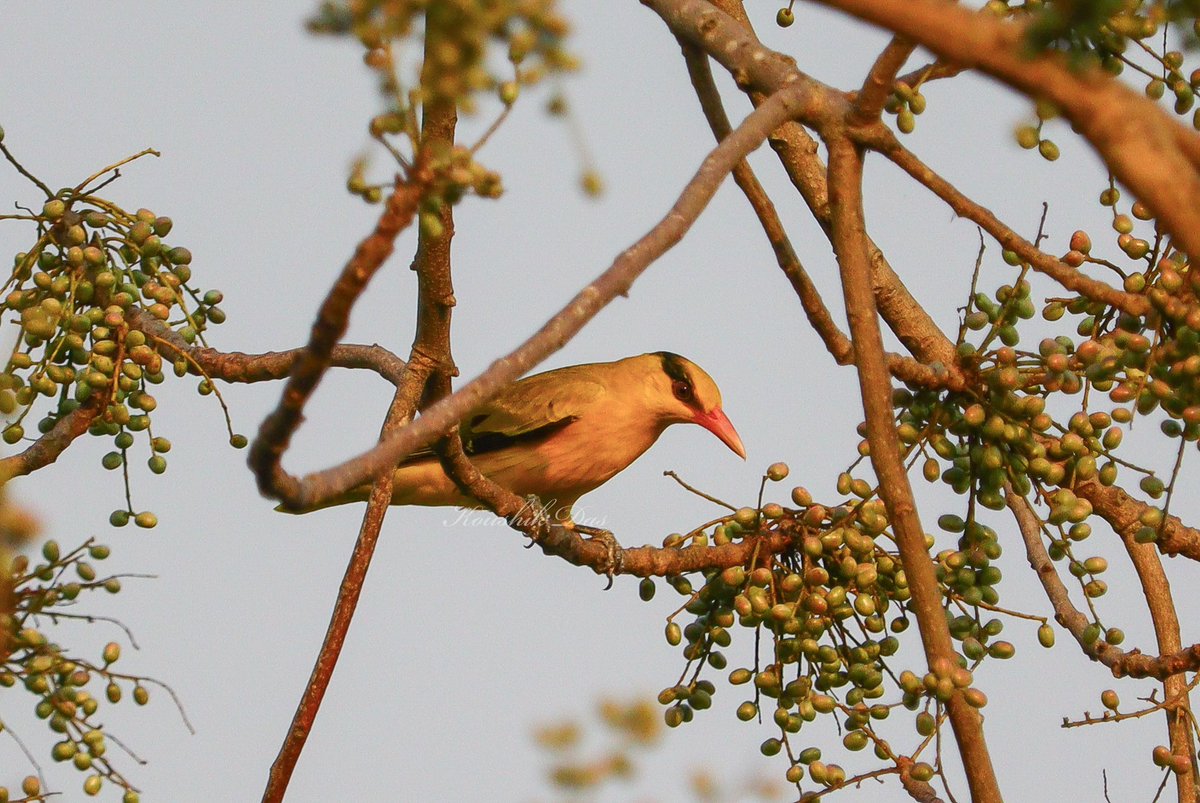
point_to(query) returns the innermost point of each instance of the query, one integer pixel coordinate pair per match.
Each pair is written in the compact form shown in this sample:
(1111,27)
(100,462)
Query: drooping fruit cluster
(460,40)
(459,62)
(71,293)
(905,103)
(1101,34)
(62,684)
(575,765)
(828,610)
(1148,361)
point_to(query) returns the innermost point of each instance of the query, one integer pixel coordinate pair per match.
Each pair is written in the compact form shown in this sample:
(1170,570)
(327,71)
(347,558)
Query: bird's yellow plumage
(562,433)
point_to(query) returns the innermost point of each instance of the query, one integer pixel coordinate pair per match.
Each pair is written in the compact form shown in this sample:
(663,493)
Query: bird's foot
(616,554)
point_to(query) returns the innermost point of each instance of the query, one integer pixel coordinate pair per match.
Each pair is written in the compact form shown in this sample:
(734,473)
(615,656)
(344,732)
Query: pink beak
(716,422)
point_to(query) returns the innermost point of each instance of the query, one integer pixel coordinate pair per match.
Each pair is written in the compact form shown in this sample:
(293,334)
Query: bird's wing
(530,410)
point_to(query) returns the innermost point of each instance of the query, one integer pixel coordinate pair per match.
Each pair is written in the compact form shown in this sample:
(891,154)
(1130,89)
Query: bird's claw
(534,511)
(615,558)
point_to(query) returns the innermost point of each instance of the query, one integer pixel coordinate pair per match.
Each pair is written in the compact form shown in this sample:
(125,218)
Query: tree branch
(1120,663)
(427,376)
(235,366)
(276,431)
(933,71)
(46,449)
(339,623)
(1161,604)
(877,86)
(1143,146)
(850,244)
(883,141)
(785,255)
(1121,511)
(818,314)
(724,28)
(558,330)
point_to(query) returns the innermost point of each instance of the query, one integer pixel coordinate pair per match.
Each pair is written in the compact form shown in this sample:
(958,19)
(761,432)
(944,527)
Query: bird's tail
(360,494)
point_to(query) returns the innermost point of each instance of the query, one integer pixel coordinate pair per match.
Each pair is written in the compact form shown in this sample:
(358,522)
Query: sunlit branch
(551,336)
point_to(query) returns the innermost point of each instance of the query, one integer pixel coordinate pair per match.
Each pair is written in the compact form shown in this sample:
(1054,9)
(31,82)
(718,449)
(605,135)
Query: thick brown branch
(649,561)
(46,449)
(714,29)
(339,624)
(1120,663)
(234,366)
(877,86)
(1136,665)
(435,289)
(1147,149)
(566,323)
(332,319)
(1122,511)
(1161,604)
(850,244)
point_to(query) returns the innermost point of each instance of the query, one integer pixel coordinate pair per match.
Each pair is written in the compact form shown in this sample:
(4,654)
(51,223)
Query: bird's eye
(682,390)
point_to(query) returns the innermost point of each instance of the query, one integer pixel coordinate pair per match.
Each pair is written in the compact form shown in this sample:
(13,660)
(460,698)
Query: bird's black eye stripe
(673,366)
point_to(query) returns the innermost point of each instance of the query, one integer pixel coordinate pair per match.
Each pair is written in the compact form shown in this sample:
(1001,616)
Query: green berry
(1027,137)
(53,209)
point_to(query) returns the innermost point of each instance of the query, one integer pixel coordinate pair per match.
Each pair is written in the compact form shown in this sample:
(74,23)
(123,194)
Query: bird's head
(684,394)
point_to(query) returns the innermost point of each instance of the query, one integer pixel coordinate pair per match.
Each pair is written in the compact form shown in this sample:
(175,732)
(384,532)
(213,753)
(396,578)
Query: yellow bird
(562,433)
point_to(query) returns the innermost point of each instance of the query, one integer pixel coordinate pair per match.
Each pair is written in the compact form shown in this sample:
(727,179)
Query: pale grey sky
(464,639)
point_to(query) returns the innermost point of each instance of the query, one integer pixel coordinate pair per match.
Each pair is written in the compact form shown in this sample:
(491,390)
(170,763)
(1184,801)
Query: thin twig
(83,184)
(698,492)
(21,169)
